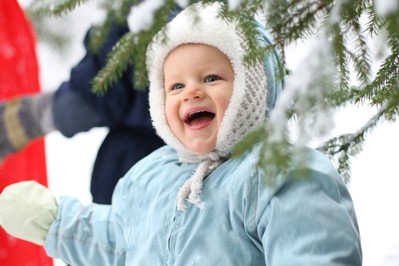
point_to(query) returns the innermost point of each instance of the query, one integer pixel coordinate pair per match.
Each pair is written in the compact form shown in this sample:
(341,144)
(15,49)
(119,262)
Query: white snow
(234,4)
(141,16)
(313,69)
(386,7)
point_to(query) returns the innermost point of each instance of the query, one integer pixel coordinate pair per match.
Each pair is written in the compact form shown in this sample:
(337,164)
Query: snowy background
(375,178)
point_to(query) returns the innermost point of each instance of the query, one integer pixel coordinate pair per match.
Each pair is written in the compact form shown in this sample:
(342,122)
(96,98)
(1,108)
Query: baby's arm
(310,222)
(89,235)
(77,234)
(86,235)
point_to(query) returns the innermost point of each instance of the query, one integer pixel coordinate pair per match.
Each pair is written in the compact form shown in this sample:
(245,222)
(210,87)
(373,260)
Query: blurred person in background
(74,108)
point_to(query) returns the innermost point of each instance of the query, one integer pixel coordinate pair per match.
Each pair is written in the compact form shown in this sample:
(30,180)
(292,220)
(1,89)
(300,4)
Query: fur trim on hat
(200,23)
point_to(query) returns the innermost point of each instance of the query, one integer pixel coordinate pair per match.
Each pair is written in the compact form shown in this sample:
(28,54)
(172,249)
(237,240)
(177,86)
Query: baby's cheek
(172,116)
(168,111)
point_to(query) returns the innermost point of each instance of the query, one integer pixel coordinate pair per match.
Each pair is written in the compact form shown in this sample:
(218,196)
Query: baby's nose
(193,91)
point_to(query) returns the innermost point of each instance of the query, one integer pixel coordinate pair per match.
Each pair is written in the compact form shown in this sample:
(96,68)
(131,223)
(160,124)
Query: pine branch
(384,84)
(53,8)
(118,60)
(98,35)
(294,20)
(276,155)
(289,21)
(131,50)
(340,56)
(360,55)
(346,146)
(374,23)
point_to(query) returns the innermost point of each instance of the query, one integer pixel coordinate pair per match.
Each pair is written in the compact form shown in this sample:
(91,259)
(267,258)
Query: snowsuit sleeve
(309,220)
(89,235)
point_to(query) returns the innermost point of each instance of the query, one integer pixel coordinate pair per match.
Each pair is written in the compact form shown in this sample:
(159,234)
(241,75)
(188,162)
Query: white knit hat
(201,24)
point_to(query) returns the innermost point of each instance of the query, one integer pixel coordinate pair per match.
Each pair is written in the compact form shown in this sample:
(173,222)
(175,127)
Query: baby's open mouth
(199,118)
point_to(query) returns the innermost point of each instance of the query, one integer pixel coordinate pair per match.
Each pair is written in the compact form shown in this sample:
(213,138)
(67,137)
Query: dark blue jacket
(122,109)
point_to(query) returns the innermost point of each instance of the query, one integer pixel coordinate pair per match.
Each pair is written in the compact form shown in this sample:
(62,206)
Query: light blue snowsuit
(244,222)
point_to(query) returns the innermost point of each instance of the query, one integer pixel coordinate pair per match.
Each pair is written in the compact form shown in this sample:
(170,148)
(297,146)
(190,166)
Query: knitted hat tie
(192,188)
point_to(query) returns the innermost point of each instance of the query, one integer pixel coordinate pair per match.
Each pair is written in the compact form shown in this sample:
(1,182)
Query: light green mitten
(27,209)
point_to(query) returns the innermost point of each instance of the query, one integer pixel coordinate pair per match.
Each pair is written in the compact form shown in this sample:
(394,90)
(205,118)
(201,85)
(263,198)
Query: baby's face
(198,87)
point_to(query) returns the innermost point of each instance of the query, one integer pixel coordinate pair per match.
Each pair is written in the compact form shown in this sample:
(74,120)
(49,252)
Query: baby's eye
(177,86)
(211,78)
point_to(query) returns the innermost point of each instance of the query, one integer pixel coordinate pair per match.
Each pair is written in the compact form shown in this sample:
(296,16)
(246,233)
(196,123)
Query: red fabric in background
(19,75)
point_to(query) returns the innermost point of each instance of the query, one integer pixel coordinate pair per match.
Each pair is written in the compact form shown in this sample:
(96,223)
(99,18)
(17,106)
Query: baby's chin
(201,153)
(202,150)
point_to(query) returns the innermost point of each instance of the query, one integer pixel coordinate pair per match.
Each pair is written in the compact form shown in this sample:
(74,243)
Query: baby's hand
(27,209)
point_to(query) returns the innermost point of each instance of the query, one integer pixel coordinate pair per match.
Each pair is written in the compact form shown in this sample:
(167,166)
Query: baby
(189,202)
